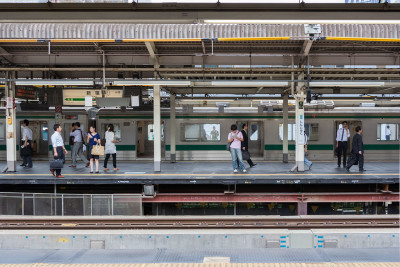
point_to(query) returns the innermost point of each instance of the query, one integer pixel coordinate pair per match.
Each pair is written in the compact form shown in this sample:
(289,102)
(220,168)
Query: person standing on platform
(388,133)
(357,151)
(306,161)
(78,139)
(342,137)
(234,139)
(26,145)
(93,138)
(58,148)
(245,144)
(110,149)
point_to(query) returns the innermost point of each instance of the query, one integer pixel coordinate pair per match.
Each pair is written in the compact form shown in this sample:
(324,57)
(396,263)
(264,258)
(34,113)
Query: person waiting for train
(93,138)
(26,145)
(245,144)
(235,138)
(388,133)
(110,149)
(342,137)
(59,150)
(78,142)
(357,151)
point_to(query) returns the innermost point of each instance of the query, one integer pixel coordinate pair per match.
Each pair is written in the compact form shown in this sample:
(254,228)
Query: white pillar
(157,128)
(11,133)
(172,121)
(300,132)
(285,128)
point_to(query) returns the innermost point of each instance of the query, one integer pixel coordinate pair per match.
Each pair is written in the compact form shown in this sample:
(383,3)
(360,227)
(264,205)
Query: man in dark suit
(245,144)
(357,151)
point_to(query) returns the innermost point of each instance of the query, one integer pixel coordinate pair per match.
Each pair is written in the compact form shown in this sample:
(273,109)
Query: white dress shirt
(26,132)
(56,139)
(342,135)
(387,131)
(77,134)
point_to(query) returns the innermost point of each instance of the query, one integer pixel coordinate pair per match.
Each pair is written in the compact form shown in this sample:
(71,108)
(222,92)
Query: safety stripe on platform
(207,174)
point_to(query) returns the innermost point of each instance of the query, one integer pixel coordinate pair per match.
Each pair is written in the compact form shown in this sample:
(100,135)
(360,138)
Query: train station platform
(196,172)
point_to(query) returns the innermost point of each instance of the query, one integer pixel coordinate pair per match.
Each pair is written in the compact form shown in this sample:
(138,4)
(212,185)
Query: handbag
(57,164)
(245,155)
(98,150)
(228,146)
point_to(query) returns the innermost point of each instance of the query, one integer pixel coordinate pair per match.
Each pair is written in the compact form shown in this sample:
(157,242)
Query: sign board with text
(74,97)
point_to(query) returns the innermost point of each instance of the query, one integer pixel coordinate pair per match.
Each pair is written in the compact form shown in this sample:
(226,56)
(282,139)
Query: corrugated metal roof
(178,31)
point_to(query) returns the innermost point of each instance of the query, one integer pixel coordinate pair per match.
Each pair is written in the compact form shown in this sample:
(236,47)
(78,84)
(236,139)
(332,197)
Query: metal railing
(39,204)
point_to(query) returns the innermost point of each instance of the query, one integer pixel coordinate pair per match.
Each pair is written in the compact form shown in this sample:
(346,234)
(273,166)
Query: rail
(197,222)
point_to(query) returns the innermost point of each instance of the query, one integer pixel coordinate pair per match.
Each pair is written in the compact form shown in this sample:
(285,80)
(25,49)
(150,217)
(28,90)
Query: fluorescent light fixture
(249,83)
(346,84)
(150,82)
(310,21)
(52,82)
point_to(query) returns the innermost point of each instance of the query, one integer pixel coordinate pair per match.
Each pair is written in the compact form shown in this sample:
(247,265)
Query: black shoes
(22,165)
(363,170)
(347,169)
(253,165)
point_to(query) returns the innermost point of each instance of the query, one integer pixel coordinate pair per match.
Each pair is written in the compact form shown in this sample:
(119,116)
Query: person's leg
(97,165)
(344,151)
(250,162)
(80,152)
(74,152)
(234,158)
(106,160)
(114,156)
(306,161)
(91,164)
(61,156)
(352,160)
(240,158)
(339,154)
(361,162)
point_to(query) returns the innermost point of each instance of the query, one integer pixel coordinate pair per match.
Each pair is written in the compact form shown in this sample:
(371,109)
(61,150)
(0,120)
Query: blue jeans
(236,154)
(306,161)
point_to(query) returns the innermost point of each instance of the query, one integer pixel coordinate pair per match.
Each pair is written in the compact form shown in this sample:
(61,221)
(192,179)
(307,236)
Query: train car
(203,135)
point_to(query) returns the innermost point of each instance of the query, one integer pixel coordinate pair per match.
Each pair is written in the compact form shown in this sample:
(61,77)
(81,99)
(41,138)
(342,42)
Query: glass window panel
(253,130)
(311,131)
(45,132)
(2,131)
(211,132)
(387,132)
(117,130)
(192,132)
(150,132)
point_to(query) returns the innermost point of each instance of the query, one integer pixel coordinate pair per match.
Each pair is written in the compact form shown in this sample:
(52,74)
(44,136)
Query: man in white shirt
(26,145)
(388,133)
(58,148)
(342,137)
(77,149)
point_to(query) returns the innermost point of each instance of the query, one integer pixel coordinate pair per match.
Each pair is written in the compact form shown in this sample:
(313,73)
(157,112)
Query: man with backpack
(79,142)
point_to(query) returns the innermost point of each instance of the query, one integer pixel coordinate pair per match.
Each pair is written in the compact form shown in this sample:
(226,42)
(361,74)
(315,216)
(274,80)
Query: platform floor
(202,172)
(71,256)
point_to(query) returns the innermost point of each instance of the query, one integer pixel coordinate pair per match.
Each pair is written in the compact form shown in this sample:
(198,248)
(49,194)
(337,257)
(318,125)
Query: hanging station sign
(74,97)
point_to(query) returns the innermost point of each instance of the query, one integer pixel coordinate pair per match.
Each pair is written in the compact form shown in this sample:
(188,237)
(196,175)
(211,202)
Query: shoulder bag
(98,150)
(56,164)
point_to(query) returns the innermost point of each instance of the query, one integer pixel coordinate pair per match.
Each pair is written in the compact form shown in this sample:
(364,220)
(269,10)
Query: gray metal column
(11,124)
(285,128)
(172,121)
(157,128)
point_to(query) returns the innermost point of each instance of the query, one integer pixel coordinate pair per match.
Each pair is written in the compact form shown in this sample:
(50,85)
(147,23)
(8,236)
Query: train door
(40,138)
(255,135)
(352,127)
(145,139)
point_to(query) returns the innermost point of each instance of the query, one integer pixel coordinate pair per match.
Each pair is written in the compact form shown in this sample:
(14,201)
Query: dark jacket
(357,144)
(245,142)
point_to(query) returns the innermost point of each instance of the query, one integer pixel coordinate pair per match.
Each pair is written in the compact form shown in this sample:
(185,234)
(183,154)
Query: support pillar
(285,128)
(11,125)
(157,128)
(172,121)
(300,96)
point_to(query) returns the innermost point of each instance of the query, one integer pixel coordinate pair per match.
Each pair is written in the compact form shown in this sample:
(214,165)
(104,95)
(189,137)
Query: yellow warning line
(206,174)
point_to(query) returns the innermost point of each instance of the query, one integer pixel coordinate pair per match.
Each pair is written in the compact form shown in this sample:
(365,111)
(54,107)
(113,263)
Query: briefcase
(56,164)
(98,150)
(245,155)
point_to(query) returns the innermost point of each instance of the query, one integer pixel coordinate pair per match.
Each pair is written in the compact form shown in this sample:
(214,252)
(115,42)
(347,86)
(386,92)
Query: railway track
(197,222)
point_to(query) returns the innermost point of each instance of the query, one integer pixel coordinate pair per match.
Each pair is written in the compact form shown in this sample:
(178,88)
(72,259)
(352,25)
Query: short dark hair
(55,127)
(244,125)
(233,127)
(358,128)
(110,127)
(388,126)
(344,122)
(78,124)
(73,124)
(26,122)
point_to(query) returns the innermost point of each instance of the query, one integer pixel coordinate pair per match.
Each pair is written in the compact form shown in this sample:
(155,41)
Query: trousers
(356,157)
(60,155)
(114,156)
(77,149)
(342,149)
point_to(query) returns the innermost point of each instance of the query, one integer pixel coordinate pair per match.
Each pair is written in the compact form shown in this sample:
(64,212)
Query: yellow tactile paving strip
(322,264)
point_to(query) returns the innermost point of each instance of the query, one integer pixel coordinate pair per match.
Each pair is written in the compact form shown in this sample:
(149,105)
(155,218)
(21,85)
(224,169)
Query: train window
(150,132)
(45,132)
(201,132)
(2,131)
(117,130)
(387,132)
(253,131)
(311,131)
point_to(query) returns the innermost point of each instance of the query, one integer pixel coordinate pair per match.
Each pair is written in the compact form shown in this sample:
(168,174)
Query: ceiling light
(151,83)
(52,82)
(346,84)
(249,83)
(286,21)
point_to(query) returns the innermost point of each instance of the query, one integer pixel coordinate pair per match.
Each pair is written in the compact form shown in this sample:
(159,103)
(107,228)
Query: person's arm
(54,148)
(359,145)
(337,142)
(26,140)
(305,148)
(348,133)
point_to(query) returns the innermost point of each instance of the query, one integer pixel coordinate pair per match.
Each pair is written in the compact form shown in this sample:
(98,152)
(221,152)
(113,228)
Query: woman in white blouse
(110,148)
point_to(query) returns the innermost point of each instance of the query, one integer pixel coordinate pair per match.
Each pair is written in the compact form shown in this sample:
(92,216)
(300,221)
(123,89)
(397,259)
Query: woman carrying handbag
(93,139)
(110,149)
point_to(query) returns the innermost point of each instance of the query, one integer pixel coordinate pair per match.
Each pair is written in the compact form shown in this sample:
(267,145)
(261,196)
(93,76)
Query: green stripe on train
(196,147)
(292,147)
(119,147)
(248,117)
